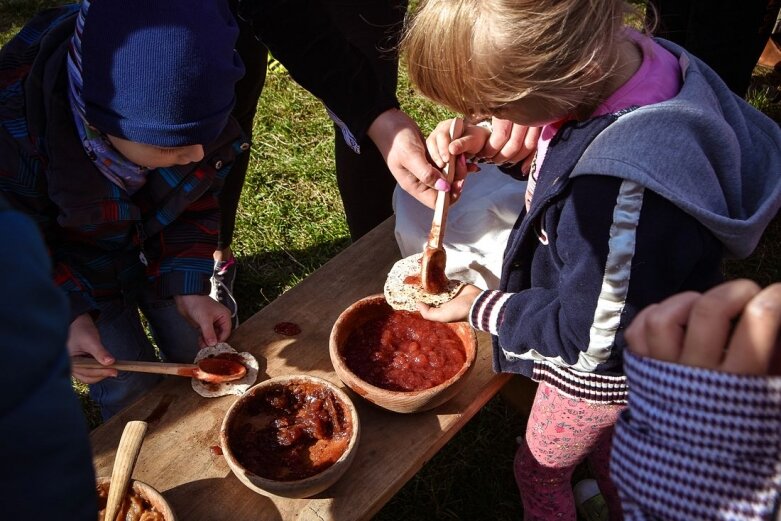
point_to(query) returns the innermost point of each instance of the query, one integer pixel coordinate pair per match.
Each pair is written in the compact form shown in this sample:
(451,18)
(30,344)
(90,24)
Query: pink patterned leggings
(560,434)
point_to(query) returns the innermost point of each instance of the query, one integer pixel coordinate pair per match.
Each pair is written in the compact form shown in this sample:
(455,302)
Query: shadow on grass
(264,276)
(15,13)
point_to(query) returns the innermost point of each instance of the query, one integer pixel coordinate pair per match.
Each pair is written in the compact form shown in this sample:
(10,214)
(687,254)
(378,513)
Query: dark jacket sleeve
(43,430)
(300,34)
(612,248)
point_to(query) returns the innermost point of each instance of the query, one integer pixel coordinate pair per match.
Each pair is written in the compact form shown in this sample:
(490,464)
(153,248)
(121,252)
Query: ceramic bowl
(373,307)
(265,477)
(145,491)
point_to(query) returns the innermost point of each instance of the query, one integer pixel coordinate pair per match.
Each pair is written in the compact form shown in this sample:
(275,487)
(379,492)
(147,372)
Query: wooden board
(178,456)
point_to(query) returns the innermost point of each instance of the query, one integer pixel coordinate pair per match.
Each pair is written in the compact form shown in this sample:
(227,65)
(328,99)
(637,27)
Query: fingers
(223,327)
(84,339)
(510,143)
(209,316)
(755,341)
(401,143)
(456,310)
(710,323)
(438,142)
(501,132)
(660,329)
(441,147)
(424,194)
(448,312)
(416,176)
(92,376)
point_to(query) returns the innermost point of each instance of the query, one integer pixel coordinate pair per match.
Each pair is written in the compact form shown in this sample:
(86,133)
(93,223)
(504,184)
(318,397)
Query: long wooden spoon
(124,461)
(211,370)
(432,267)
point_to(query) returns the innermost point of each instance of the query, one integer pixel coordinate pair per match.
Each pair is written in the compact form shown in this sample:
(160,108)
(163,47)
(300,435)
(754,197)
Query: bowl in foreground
(290,436)
(403,401)
(149,498)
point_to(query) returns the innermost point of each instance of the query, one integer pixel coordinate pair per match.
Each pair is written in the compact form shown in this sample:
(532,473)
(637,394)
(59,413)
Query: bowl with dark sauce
(141,503)
(290,436)
(397,359)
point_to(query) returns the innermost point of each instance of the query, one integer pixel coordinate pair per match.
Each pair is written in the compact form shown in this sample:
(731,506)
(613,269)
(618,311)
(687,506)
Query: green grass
(291,221)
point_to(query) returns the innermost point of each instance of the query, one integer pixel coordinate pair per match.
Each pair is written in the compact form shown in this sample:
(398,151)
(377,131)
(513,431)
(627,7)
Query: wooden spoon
(124,461)
(432,267)
(211,370)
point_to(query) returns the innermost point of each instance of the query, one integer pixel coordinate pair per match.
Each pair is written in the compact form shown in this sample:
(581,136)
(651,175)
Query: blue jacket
(95,231)
(629,209)
(43,432)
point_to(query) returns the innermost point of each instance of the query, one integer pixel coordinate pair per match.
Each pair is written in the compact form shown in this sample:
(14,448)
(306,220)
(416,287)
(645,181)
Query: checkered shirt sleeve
(698,444)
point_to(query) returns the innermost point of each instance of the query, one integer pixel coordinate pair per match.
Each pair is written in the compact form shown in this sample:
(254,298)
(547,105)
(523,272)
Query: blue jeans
(122,333)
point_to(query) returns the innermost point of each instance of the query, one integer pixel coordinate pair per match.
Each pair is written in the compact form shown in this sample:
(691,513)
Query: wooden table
(178,456)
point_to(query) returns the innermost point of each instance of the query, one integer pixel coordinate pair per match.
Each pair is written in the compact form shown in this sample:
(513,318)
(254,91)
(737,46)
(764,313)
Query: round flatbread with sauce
(403,289)
(212,390)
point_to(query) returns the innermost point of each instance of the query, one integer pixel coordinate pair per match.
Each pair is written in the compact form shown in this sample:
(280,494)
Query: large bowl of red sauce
(397,359)
(290,436)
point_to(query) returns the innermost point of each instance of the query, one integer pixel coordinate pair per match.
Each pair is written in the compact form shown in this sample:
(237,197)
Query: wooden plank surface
(178,458)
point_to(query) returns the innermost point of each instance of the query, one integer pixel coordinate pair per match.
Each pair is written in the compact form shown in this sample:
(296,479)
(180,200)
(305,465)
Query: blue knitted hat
(160,72)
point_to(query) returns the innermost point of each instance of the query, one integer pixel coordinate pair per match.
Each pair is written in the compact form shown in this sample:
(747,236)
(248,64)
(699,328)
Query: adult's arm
(302,37)
(43,430)
(300,34)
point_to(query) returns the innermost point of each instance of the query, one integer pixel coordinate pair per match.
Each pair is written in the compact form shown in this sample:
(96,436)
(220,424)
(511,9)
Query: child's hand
(510,143)
(440,147)
(212,318)
(456,310)
(697,330)
(84,339)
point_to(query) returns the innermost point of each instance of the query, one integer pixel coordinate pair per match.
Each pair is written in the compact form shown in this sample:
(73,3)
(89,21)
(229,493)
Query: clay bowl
(373,307)
(259,467)
(145,491)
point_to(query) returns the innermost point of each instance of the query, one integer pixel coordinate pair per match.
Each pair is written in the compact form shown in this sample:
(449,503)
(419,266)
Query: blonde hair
(474,56)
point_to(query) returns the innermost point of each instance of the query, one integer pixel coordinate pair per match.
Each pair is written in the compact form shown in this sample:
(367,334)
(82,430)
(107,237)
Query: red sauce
(402,351)
(287,328)
(222,366)
(290,432)
(134,506)
(437,281)
(412,280)
(216,450)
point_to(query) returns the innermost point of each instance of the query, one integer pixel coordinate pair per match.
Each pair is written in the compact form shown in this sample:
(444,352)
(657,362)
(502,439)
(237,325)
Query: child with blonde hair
(648,171)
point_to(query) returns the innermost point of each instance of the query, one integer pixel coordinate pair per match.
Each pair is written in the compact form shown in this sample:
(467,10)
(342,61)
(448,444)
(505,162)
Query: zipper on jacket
(141,240)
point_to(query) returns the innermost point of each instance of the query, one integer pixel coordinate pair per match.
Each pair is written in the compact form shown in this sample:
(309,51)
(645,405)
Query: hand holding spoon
(432,268)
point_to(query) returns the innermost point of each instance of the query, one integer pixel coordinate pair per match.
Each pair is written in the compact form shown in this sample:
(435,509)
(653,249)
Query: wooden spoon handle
(138,367)
(443,198)
(125,460)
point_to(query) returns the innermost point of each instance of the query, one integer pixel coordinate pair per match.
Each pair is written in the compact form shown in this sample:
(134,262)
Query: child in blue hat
(116,139)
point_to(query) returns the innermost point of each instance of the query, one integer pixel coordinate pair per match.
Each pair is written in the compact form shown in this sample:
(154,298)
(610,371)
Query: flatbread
(405,297)
(211,390)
